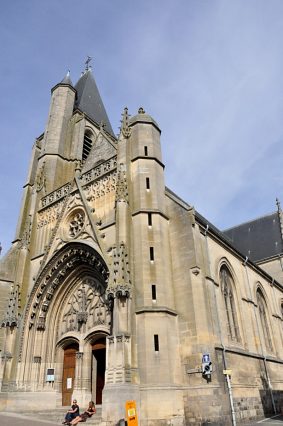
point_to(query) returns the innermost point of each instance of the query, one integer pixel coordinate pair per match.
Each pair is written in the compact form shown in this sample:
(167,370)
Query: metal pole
(220,337)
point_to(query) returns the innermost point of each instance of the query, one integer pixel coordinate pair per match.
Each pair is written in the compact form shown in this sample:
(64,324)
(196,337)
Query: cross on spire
(87,66)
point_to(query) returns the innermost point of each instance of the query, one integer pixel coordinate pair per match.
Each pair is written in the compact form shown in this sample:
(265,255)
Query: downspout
(220,338)
(259,335)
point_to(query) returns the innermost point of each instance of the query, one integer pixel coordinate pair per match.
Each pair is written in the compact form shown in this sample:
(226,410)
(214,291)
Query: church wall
(274,267)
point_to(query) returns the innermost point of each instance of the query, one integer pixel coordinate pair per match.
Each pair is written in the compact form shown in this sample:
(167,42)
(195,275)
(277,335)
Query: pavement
(8,419)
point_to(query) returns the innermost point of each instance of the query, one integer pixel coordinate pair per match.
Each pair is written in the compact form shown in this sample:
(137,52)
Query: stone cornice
(156,309)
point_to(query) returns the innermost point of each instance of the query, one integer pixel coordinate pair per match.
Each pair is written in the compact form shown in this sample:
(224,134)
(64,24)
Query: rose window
(76,223)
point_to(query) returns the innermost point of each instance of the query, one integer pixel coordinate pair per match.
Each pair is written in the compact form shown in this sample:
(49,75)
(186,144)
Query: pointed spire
(67,79)
(278,205)
(280,214)
(125,129)
(89,100)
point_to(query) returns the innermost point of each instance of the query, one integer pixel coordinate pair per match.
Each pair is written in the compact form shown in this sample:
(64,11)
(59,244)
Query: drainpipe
(259,335)
(220,338)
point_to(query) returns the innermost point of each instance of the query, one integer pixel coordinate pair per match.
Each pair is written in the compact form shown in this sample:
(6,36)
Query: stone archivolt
(54,274)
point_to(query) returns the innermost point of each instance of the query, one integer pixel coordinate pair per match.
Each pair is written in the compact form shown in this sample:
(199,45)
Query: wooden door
(99,352)
(69,368)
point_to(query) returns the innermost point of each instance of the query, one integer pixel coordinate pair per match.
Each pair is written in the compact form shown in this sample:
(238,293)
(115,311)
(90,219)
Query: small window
(145,151)
(153,292)
(151,253)
(147,183)
(149,219)
(87,145)
(156,343)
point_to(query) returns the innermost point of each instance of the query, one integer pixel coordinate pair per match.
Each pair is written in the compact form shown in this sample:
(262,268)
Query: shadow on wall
(266,399)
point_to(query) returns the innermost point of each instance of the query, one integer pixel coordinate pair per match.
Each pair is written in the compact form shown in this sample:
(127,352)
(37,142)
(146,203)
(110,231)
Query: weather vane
(87,66)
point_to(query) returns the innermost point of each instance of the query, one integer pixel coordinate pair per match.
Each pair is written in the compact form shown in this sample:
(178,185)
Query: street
(275,420)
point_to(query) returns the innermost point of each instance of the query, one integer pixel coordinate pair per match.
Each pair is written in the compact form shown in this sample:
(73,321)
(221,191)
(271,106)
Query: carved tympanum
(85,308)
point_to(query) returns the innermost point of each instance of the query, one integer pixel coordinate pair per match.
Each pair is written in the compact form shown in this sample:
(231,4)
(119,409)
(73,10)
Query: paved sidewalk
(12,419)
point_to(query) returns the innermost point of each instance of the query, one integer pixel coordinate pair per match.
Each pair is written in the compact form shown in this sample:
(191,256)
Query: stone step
(58,414)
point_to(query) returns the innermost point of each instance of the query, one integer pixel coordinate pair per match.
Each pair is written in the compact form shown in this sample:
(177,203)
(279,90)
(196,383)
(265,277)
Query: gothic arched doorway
(69,368)
(98,369)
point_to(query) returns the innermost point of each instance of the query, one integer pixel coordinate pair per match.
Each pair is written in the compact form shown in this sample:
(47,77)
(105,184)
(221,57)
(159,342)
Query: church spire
(67,79)
(89,100)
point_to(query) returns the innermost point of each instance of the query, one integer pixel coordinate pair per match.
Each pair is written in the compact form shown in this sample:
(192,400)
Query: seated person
(72,413)
(86,415)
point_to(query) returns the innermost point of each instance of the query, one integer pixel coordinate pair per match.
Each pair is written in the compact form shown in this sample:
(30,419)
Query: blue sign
(205,358)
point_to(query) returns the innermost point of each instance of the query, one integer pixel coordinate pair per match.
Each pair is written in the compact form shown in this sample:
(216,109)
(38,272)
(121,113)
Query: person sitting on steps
(86,415)
(72,413)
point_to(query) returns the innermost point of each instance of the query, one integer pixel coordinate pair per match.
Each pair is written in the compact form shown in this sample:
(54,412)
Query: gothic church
(116,289)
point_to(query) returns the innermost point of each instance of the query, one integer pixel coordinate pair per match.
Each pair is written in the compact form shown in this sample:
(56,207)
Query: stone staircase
(57,415)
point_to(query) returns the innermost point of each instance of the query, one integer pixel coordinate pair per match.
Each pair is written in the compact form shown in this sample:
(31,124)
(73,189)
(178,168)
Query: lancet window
(88,140)
(229,302)
(262,309)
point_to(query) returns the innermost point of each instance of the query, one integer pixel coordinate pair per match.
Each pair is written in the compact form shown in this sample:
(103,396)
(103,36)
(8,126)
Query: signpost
(131,413)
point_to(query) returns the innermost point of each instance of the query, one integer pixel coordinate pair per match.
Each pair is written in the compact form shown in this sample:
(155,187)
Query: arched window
(229,301)
(262,308)
(88,140)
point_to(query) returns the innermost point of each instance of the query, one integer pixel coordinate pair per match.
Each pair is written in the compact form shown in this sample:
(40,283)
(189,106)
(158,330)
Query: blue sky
(210,72)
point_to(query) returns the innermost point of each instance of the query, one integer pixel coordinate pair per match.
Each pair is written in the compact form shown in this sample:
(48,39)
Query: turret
(55,148)
(147,168)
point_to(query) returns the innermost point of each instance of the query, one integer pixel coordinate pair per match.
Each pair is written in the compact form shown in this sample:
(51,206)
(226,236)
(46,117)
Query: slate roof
(258,239)
(89,101)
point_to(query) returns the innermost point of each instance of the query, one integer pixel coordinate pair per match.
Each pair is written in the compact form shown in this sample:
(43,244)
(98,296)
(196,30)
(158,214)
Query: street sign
(131,413)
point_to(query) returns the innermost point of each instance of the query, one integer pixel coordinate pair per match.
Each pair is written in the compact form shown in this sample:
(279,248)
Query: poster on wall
(69,382)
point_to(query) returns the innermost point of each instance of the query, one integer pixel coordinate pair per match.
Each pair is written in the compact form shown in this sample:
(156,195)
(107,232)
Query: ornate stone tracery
(86,308)
(101,187)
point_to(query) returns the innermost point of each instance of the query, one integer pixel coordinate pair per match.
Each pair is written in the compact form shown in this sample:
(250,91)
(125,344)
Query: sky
(210,72)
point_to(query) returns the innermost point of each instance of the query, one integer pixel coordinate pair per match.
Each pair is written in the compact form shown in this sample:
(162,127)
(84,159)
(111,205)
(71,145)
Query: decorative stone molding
(37,359)
(40,179)
(99,171)
(195,270)
(25,238)
(120,282)
(122,187)
(125,129)
(79,355)
(6,356)
(49,215)
(12,316)
(101,187)
(56,195)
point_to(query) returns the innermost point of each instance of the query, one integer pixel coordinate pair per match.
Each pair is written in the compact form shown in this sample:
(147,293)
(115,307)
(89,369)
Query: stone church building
(116,289)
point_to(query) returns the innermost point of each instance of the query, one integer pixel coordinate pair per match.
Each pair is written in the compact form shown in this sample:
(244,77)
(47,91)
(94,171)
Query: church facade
(115,289)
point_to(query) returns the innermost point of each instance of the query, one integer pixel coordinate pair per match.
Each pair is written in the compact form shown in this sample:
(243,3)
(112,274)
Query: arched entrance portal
(98,369)
(68,311)
(69,368)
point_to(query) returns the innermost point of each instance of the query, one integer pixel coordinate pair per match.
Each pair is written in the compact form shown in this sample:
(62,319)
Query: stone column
(82,391)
